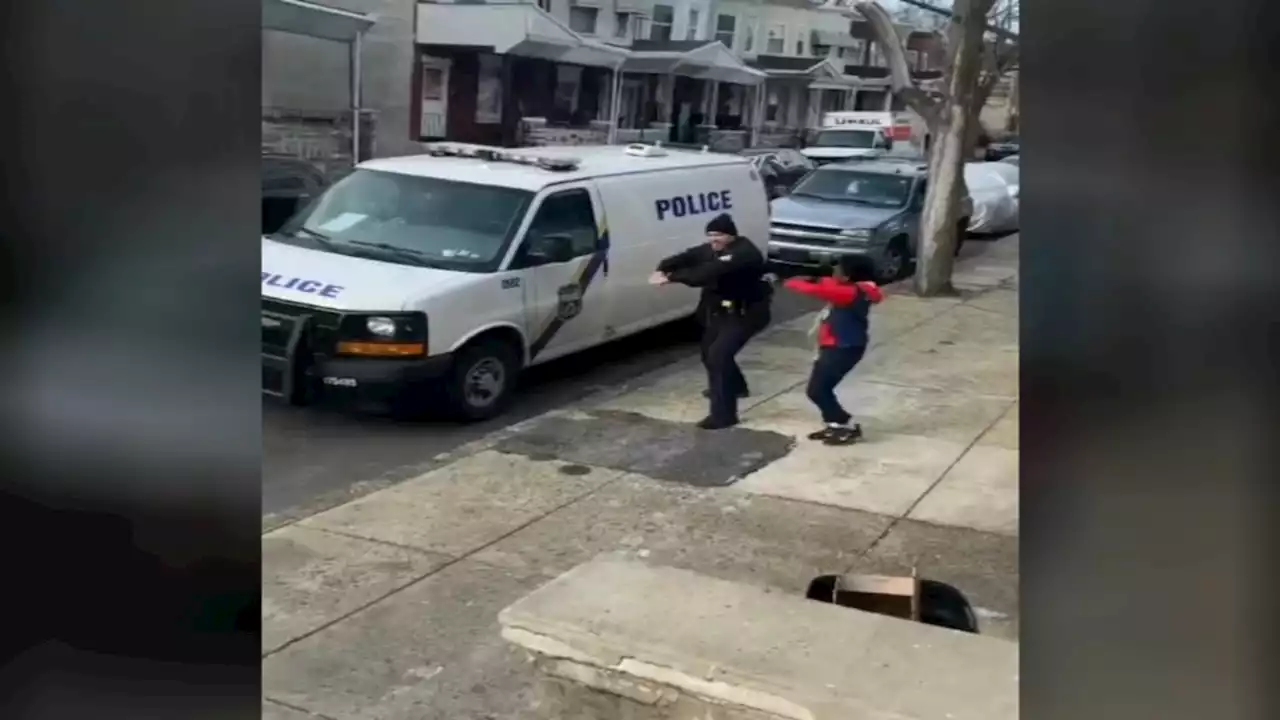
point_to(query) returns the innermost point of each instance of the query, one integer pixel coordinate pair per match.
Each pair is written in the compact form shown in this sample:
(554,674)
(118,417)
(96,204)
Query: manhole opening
(927,601)
(575,469)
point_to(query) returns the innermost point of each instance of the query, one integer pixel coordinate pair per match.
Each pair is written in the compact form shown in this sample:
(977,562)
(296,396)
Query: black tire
(893,267)
(467,387)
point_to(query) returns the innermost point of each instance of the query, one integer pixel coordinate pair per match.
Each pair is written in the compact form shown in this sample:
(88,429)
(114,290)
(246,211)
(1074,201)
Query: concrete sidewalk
(386,607)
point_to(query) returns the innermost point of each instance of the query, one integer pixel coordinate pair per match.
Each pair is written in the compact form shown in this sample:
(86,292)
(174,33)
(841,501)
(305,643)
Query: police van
(454,270)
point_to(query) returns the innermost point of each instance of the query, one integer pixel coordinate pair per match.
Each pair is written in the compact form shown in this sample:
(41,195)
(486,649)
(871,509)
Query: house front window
(582,20)
(776,105)
(877,56)
(568,82)
(816,46)
(621,25)
(775,42)
(726,25)
(660,25)
(692,32)
(856,51)
(749,42)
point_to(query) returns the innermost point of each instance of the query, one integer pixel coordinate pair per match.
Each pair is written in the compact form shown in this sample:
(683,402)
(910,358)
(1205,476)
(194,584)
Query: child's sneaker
(824,433)
(843,435)
(828,432)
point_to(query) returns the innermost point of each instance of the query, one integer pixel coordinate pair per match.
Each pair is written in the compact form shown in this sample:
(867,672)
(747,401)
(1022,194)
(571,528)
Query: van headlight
(383,335)
(381,326)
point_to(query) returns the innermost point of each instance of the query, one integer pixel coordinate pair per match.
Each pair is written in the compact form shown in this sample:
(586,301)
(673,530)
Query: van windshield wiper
(319,237)
(417,257)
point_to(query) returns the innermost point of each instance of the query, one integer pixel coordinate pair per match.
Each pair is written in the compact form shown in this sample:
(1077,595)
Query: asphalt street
(311,454)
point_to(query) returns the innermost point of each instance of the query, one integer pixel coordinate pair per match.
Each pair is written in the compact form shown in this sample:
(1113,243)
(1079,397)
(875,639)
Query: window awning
(300,17)
(703,61)
(512,29)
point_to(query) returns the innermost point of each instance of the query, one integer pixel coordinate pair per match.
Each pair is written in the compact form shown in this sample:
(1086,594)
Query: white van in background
(856,135)
(454,270)
(896,125)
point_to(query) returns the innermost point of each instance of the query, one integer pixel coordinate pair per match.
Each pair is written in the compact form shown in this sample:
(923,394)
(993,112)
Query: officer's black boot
(724,404)
(743,393)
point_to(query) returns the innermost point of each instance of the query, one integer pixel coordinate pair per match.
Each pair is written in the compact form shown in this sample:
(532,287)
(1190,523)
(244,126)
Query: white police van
(454,270)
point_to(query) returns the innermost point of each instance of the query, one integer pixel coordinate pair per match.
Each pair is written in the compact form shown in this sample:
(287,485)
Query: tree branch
(900,81)
(996,65)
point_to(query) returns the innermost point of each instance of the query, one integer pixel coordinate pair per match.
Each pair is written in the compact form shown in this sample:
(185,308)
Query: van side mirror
(548,249)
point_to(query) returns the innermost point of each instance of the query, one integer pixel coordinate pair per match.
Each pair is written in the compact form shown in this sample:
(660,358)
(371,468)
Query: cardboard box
(896,596)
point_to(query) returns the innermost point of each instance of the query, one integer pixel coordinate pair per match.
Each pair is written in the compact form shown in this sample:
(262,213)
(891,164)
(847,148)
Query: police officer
(734,306)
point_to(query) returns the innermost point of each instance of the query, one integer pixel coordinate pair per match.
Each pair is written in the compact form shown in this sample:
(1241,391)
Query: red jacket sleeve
(872,291)
(836,293)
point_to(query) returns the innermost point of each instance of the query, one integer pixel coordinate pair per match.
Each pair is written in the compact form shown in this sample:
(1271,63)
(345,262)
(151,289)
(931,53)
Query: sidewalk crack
(897,520)
(297,708)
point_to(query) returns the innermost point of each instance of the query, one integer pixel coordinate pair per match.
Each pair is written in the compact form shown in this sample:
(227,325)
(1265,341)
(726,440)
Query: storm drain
(927,601)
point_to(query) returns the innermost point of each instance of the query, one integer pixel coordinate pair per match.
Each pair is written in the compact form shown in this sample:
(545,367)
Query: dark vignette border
(132,431)
(1150,335)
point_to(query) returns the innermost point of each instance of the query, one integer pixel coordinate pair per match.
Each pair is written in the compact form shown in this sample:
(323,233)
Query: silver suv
(869,208)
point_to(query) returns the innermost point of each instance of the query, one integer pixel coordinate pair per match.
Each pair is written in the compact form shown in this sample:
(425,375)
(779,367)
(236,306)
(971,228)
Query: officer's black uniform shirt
(734,274)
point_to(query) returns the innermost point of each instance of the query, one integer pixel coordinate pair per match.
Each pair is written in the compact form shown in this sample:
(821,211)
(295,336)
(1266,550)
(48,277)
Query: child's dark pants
(829,369)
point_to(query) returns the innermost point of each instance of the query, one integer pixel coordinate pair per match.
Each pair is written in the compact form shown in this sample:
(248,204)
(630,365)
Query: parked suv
(869,207)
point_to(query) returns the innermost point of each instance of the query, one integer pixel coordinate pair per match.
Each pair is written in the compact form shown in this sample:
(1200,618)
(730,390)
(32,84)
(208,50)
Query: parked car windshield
(846,185)
(845,138)
(412,220)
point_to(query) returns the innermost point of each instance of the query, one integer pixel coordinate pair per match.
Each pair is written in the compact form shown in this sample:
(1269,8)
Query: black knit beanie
(722,223)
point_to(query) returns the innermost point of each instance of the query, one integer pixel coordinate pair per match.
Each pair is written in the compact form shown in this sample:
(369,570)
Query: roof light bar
(496,155)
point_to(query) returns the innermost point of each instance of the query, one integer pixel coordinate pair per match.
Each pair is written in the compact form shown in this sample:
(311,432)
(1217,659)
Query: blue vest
(849,324)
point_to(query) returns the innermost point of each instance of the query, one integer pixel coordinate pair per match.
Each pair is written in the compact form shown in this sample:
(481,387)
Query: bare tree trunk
(935,252)
(935,256)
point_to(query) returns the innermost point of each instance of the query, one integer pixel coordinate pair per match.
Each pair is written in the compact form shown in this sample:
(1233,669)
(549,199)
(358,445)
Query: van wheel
(893,265)
(482,378)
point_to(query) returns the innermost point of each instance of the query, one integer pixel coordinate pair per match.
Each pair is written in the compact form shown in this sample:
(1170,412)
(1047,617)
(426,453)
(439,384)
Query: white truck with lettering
(441,276)
(852,135)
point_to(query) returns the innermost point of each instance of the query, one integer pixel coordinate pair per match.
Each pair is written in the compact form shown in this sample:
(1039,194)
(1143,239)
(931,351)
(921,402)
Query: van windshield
(864,188)
(412,220)
(845,138)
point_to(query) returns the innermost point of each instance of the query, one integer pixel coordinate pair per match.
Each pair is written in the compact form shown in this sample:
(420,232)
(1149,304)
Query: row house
(513,72)
(817,60)
(721,72)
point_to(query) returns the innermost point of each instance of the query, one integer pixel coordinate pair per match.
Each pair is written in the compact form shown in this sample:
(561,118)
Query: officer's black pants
(724,335)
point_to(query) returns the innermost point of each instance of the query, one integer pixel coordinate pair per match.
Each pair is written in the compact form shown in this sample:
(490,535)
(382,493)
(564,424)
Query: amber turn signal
(381,349)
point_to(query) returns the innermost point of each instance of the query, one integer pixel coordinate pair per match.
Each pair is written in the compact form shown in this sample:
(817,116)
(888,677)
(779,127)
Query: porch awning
(300,17)
(837,39)
(512,29)
(695,59)
(821,74)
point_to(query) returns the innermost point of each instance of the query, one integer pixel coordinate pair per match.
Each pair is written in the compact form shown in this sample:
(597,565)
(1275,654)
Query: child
(842,339)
